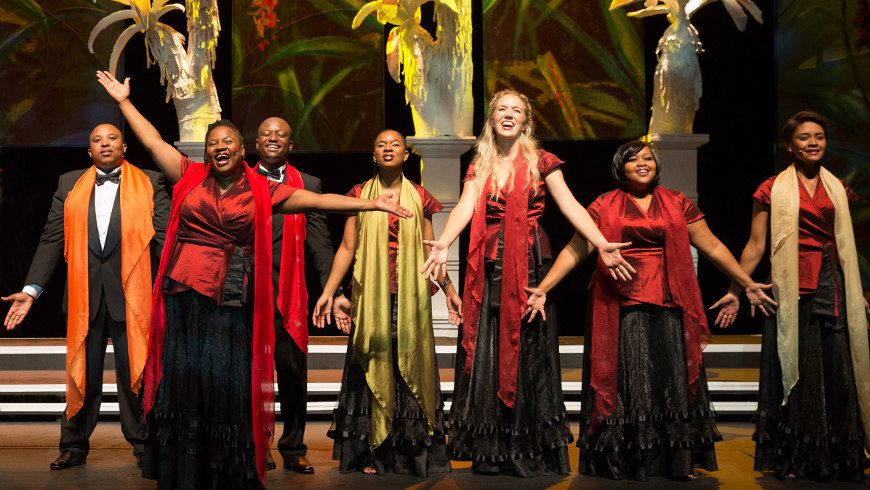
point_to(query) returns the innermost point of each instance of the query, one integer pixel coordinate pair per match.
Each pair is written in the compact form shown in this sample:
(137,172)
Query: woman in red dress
(813,417)
(646,409)
(508,412)
(389,416)
(208,383)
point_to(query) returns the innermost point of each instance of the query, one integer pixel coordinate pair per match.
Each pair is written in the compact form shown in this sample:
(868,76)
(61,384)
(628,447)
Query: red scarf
(515,276)
(683,286)
(262,378)
(292,294)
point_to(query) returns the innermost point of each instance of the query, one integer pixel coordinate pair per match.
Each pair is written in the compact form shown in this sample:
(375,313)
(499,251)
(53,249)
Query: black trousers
(75,432)
(291,364)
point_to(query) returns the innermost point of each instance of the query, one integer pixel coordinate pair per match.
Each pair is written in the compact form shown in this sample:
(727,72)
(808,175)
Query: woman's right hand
(341,312)
(436,264)
(117,90)
(322,315)
(616,264)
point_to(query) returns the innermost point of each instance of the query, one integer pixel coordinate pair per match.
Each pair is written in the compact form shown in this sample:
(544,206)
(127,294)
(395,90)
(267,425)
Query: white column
(441,177)
(195,150)
(679,156)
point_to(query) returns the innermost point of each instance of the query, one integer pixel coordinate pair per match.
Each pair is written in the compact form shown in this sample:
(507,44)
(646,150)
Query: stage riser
(38,390)
(571,357)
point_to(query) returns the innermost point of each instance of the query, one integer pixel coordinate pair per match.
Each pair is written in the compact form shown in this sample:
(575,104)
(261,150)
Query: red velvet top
(646,232)
(210,226)
(495,206)
(815,229)
(430,207)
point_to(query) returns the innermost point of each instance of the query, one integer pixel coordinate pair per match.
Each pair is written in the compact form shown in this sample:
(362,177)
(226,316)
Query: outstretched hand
(619,268)
(117,90)
(537,300)
(436,264)
(728,306)
(21,303)
(322,315)
(383,203)
(341,312)
(758,299)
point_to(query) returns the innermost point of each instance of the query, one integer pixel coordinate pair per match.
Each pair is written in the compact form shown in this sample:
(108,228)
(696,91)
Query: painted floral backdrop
(823,60)
(46,70)
(581,64)
(300,60)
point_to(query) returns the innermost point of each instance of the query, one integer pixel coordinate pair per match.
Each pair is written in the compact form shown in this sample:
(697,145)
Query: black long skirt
(656,430)
(199,433)
(531,438)
(818,434)
(408,449)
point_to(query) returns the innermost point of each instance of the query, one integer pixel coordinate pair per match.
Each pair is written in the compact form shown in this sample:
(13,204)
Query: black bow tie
(113,178)
(270,174)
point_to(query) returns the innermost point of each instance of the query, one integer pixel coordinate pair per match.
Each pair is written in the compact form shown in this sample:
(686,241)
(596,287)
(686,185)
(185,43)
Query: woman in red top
(646,409)
(813,402)
(209,374)
(389,416)
(508,412)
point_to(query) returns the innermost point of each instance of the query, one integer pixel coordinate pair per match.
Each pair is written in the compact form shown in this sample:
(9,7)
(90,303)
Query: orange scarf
(137,230)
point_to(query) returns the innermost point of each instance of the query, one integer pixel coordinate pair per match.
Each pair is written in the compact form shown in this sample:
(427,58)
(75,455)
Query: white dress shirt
(104,201)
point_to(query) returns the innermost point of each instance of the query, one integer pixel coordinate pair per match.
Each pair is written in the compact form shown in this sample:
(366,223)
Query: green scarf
(372,316)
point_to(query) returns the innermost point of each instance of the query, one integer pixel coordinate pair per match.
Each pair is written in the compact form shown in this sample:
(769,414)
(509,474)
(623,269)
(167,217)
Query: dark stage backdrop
(46,70)
(738,110)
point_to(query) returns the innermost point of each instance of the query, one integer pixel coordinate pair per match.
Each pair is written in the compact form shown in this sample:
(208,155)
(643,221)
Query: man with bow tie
(108,221)
(296,239)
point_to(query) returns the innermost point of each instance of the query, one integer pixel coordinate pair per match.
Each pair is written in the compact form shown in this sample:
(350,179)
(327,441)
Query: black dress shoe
(68,459)
(299,464)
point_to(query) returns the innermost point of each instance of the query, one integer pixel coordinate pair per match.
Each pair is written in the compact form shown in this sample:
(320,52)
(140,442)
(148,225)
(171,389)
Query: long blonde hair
(487,154)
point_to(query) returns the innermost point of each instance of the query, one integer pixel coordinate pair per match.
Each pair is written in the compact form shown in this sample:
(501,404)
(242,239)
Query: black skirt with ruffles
(818,434)
(408,449)
(656,429)
(199,433)
(531,438)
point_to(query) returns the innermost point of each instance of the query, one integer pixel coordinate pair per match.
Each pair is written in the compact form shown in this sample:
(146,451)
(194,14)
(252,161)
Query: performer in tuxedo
(109,222)
(274,142)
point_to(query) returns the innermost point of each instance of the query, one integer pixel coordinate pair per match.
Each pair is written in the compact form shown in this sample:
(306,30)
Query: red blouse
(210,226)
(430,207)
(495,206)
(646,232)
(815,228)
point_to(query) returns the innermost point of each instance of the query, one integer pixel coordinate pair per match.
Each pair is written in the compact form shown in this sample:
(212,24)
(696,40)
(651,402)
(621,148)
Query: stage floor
(27,448)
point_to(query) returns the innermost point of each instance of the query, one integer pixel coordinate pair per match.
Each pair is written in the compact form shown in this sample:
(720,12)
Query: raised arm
(582,222)
(340,265)
(166,156)
(302,201)
(570,257)
(436,264)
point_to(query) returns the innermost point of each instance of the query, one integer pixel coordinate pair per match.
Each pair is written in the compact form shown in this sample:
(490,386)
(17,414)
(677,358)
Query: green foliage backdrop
(823,66)
(581,64)
(300,60)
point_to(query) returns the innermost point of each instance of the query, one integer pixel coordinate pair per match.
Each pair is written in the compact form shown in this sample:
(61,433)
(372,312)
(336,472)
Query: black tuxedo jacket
(104,263)
(318,245)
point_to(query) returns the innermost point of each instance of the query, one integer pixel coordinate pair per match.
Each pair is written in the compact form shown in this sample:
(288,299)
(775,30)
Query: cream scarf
(784,211)
(372,313)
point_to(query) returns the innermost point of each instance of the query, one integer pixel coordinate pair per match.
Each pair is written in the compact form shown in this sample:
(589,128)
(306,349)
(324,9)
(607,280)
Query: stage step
(32,375)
